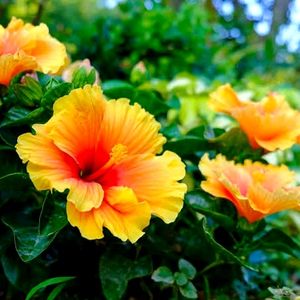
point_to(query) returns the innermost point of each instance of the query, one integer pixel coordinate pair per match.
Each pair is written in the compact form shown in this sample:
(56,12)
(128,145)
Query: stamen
(117,155)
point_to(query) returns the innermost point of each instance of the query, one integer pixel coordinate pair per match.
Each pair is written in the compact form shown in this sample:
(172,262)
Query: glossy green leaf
(20,116)
(116,270)
(202,203)
(53,215)
(187,268)
(46,283)
(163,274)
(52,94)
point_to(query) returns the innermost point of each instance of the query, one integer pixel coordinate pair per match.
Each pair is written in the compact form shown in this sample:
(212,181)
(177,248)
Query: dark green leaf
(202,203)
(189,291)
(20,116)
(117,270)
(187,268)
(163,274)
(150,102)
(115,89)
(53,215)
(187,145)
(54,93)
(277,240)
(221,250)
(234,144)
(45,283)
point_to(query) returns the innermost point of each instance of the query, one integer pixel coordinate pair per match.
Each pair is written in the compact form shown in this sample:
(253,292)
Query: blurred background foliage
(168,55)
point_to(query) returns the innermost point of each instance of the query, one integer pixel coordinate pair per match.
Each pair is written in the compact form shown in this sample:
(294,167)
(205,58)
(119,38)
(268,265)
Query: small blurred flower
(68,72)
(255,189)
(25,47)
(270,124)
(103,152)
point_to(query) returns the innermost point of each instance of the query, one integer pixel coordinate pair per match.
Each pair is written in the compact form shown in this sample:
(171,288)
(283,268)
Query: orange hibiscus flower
(25,47)
(104,153)
(255,189)
(270,124)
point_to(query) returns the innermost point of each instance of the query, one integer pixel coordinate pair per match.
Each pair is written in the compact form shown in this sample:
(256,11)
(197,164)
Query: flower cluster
(254,188)
(104,153)
(24,47)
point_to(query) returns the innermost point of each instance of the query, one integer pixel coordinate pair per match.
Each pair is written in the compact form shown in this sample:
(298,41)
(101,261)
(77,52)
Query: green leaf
(9,189)
(171,131)
(29,243)
(115,89)
(20,116)
(203,204)
(30,240)
(150,102)
(189,291)
(8,182)
(235,145)
(53,215)
(57,91)
(187,268)
(180,278)
(221,250)
(116,271)
(277,240)
(46,283)
(163,274)
(187,145)
(56,291)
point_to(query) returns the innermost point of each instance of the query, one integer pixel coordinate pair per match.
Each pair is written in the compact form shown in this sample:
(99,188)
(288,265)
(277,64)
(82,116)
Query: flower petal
(48,166)
(154,180)
(50,54)
(89,227)
(84,195)
(76,126)
(224,99)
(268,202)
(123,215)
(131,126)
(13,64)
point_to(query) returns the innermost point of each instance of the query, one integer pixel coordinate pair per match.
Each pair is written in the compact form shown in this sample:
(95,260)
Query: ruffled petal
(123,215)
(131,126)
(84,195)
(89,227)
(13,64)
(268,202)
(76,126)
(50,54)
(224,99)
(48,166)
(154,179)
